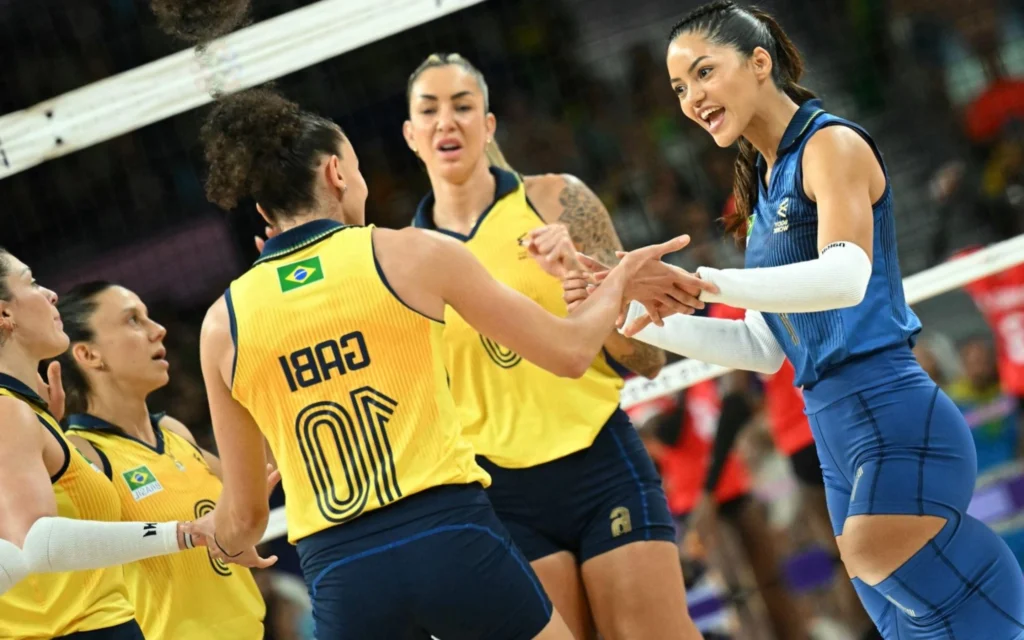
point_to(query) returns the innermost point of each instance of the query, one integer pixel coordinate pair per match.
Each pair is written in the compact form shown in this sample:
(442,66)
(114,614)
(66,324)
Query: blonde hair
(493,152)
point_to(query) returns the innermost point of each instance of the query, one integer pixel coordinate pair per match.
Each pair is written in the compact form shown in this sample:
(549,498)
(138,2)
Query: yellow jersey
(186,594)
(515,413)
(48,605)
(346,382)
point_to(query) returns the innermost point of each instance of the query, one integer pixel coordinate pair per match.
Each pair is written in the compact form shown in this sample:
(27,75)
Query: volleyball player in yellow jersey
(330,345)
(62,546)
(116,359)
(571,480)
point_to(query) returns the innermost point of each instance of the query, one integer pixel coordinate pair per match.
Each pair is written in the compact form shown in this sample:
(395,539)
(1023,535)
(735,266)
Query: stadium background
(578,87)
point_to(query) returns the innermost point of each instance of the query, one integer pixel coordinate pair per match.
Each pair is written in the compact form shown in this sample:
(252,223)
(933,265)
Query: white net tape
(185,80)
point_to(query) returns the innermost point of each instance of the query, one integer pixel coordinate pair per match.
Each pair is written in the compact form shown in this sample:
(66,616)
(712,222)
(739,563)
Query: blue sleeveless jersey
(784,230)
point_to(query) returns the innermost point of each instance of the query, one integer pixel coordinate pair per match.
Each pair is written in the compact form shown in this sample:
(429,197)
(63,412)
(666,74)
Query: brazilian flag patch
(750,223)
(141,482)
(298,274)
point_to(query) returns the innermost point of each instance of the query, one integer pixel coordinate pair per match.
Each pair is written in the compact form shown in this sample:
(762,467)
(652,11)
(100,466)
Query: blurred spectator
(991,414)
(743,550)
(1000,298)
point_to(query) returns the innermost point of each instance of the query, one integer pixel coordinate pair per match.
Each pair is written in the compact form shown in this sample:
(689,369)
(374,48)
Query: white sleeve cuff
(12,565)
(63,544)
(837,279)
(746,344)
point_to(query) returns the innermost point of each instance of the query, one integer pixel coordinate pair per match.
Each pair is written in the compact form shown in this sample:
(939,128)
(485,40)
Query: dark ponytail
(726,24)
(76,309)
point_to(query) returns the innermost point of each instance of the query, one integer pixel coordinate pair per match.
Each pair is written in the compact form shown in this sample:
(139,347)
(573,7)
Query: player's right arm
(428,270)
(746,344)
(29,519)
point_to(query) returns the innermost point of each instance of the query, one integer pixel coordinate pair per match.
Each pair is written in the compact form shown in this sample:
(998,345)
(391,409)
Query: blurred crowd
(940,84)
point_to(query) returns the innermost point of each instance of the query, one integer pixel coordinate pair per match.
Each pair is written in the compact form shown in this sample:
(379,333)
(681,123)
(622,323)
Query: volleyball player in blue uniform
(823,287)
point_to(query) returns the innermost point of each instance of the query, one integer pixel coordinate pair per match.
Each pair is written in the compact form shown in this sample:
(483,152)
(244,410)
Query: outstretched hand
(661,288)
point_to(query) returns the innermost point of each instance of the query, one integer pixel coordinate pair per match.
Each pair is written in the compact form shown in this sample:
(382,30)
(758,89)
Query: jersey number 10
(348,453)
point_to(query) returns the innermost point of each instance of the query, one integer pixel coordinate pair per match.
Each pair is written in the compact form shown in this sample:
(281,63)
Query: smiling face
(448,125)
(28,314)
(718,86)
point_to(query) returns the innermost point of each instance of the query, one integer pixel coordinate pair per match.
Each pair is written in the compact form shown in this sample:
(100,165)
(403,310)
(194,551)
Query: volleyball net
(562,75)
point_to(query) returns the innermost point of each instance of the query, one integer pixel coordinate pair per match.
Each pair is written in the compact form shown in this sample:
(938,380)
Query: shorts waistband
(408,509)
(887,366)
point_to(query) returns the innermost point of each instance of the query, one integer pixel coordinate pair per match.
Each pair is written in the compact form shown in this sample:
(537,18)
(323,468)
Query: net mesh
(578,87)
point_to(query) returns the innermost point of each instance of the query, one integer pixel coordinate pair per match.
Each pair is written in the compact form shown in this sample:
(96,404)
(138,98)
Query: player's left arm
(177,427)
(843,176)
(567,200)
(241,515)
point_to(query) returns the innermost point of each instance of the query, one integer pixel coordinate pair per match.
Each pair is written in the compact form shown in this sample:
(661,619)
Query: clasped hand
(203,532)
(661,288)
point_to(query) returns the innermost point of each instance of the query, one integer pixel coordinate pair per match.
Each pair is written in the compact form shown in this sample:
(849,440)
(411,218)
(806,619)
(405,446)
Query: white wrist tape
(746,344)
(837,279)
(12,565)
(64,544)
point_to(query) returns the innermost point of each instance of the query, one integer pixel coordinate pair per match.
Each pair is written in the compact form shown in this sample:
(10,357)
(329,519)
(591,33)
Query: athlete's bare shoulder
(410,244)
(217,320)
(22,435)
(412,261)
(216,342)
(16,414)
(177,427)
(840,155)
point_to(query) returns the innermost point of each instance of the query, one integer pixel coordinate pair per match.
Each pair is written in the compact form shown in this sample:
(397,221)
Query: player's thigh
(906,450)
(628,553)
(619,498)
(637,591)
(559,574)
(471,581)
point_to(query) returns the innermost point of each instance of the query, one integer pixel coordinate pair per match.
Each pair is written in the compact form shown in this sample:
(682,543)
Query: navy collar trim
(505,183)
(89,422)
(17,386)
(797,127)
(299,237)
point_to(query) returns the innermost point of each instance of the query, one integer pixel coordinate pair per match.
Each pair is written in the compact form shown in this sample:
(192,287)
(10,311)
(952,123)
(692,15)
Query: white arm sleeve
(12,565)
(63,544)
(739,344)
(838,278)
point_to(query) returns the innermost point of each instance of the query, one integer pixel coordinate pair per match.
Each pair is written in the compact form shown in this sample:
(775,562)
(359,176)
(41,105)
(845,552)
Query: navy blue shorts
(899,448)
(124,631)
(589,502)
(436,563)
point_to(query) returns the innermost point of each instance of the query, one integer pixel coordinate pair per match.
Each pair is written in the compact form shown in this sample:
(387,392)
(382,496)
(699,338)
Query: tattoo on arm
(588,221)
(592,231)
(638,357)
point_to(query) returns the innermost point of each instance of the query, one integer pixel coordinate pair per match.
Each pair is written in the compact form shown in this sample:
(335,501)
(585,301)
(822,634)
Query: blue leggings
(905,449)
